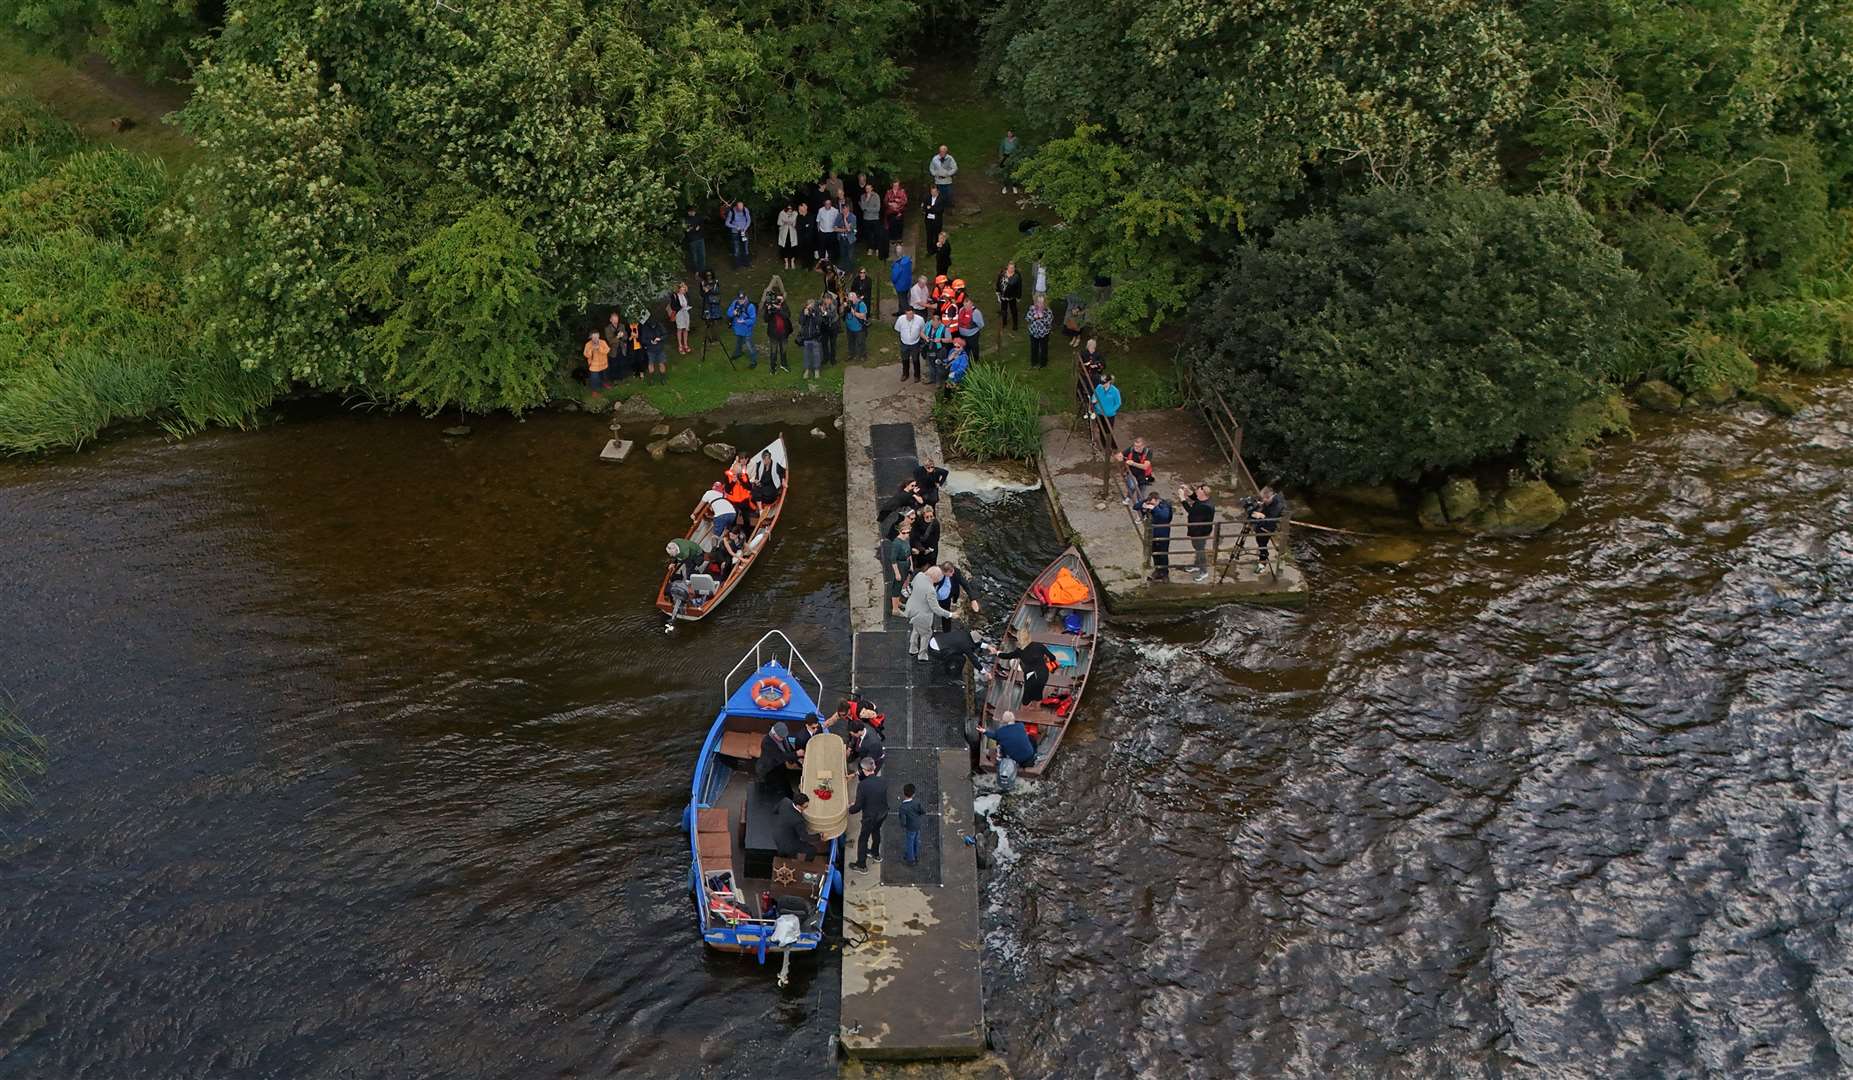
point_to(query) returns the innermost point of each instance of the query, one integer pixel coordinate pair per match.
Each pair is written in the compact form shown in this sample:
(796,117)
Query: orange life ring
(771,693)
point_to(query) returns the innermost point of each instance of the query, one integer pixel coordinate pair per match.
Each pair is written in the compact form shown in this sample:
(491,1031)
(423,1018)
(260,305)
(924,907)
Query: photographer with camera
(743,315)
(1201,513)
(1264,514)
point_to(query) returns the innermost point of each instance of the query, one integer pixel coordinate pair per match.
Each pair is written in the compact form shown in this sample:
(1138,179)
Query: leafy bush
(1705,358)
(1147,389)
(1415,330)
(24,123)
(107,192)
(994,414)
(1795,333)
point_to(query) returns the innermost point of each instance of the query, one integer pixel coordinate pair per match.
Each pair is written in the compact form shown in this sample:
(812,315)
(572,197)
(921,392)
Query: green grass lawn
(89,100)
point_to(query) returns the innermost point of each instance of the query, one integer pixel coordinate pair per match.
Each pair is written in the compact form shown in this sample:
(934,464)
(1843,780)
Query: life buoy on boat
(771,693)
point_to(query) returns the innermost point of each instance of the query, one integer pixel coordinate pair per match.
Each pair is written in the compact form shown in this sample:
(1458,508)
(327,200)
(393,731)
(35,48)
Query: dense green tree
(1415,330)
(364,158)
(1732,116)
(1183,112)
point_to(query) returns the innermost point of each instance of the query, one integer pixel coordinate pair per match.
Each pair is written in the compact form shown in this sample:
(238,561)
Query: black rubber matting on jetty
(891,440)
(921,769)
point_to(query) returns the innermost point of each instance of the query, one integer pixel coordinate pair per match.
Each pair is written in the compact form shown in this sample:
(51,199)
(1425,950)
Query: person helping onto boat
(1016,748)
(777,760)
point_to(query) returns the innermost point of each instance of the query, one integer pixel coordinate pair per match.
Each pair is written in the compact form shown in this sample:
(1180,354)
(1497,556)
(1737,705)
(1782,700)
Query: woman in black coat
(1009,295)
(942,254)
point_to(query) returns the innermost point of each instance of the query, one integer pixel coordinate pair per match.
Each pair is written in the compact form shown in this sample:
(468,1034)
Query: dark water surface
(1575,807)
(368,756)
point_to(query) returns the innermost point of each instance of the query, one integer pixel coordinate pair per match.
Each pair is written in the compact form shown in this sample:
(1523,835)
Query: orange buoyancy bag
(1068,589)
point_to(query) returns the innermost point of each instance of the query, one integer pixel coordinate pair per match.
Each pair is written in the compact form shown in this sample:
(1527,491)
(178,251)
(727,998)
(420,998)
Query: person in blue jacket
(1157,511)
(744,316)
(901,275)
(958,362)
(1107,402)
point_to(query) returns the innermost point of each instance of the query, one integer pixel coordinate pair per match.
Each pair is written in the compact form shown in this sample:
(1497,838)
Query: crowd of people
(824,229)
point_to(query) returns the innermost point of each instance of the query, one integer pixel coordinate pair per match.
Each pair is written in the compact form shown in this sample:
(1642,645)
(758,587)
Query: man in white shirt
(912,329)
(943,168)
(920,294)
(827,220)
(714,501)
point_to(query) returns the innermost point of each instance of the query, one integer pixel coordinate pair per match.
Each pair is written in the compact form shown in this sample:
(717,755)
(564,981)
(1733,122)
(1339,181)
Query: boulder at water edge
(818,433)
(658,448)
(1460,497)
(660,429)
(1524,508)
(720,451)
(1571,467)
(1656,396)
(637,409)
(1777,399)
(685,442)
(1715,394)
(1428,512)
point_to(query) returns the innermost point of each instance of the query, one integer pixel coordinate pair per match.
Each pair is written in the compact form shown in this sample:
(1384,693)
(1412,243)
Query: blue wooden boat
(748,898)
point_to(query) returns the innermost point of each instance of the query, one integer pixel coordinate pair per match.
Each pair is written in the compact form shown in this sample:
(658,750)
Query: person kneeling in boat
(730,552)
(1016,749)
(1037,662)
(686,558)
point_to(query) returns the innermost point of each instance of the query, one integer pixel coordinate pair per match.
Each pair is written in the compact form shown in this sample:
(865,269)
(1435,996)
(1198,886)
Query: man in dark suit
(791,834)
(776,759)
(872,803)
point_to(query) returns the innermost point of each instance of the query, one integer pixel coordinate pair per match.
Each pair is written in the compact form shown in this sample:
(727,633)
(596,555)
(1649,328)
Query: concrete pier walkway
(1183,452)
(912,974)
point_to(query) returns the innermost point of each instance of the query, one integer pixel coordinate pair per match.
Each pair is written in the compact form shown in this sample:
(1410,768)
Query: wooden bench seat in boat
(713,841)
(742,744)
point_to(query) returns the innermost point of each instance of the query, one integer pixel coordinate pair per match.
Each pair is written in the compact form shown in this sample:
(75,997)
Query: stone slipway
(912,965)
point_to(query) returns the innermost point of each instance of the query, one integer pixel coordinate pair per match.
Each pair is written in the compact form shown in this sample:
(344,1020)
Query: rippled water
(368,755)
(1571,807)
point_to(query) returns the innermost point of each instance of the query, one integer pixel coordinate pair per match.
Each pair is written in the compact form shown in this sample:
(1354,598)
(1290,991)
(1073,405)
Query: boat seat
(701,584)
(711,820)
(742,744)
(715,849)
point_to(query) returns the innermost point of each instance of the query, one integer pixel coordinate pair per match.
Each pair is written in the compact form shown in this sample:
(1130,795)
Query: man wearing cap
(971,324)
(744,316)
(685,558)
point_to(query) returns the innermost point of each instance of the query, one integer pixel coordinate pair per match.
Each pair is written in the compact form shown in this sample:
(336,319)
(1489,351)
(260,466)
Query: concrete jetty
(912,973)
(1113,541)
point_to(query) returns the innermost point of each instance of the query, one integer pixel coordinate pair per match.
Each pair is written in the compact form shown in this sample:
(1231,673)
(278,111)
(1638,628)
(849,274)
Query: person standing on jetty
(922,606)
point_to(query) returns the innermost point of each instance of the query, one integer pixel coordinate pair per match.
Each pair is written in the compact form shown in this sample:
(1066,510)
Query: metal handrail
(762,646)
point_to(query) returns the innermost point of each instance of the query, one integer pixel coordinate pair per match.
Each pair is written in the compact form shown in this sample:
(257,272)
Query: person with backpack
(971,328)
(651,333)
(856,322)
(778,328)
(938,343)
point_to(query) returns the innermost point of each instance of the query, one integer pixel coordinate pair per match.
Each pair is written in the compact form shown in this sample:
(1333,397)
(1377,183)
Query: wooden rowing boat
(1046,624)
(701,533)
